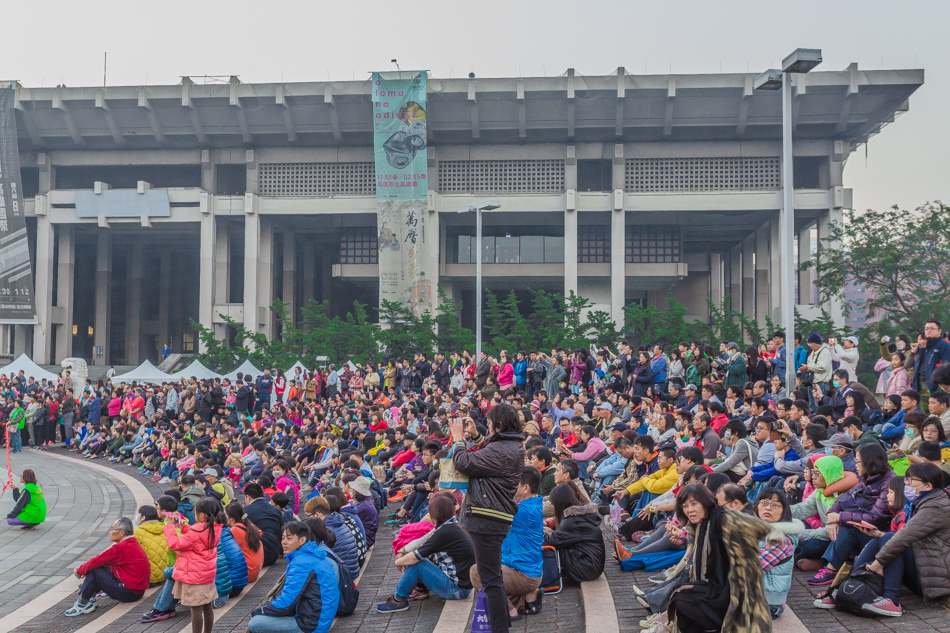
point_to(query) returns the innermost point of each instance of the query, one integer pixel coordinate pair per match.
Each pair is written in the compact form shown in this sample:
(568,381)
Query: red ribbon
(9,482)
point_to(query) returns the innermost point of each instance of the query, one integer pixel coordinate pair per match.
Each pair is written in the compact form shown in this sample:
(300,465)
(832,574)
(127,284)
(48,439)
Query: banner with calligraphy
(399,126)
(16,272)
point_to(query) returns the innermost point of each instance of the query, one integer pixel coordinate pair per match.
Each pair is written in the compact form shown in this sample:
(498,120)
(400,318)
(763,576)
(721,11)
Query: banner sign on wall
(399,132)
(16,273)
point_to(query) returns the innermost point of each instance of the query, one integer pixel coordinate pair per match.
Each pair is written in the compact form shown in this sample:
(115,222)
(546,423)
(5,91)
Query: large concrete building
(156,204)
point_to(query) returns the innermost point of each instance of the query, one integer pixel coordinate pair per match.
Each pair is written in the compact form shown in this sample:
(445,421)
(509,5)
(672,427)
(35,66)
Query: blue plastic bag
(480,623)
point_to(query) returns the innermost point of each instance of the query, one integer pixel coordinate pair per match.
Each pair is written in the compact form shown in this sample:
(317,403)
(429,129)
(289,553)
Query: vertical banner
(16,274)
(402,191)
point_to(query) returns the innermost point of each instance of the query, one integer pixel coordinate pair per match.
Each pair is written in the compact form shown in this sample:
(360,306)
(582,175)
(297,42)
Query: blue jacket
(521,372)
(801,357)
(521,548)
(765,472)
(660,367)
(310,594)
(778,363)
(937,353)
(345,546)
(222,577)
(95,410)
(612,466)
(237,564)
(894,435)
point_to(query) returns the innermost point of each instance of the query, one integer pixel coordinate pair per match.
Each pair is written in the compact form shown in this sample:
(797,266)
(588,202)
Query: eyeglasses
(908,480)
(774,505)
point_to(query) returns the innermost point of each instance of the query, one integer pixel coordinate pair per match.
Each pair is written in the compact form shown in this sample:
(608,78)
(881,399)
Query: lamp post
(484,205)
(801,60)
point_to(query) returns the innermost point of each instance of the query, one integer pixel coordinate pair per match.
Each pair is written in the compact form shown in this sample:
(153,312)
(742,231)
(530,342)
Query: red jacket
(196,563)
(128,562)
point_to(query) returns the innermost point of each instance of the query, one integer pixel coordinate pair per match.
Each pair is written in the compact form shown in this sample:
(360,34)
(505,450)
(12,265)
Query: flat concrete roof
(850,105)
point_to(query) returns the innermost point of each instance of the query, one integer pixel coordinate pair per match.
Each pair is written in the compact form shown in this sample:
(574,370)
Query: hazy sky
(57,42)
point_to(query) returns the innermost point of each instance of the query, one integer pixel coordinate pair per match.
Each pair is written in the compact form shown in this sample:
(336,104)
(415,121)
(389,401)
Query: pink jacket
(196,563)
(594,447)
(898,382)
(883,367)
(410,533)
(506,375)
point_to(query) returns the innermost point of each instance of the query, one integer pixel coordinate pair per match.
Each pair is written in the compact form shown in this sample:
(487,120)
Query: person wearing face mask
(148,532)
(911,439)
(917,555)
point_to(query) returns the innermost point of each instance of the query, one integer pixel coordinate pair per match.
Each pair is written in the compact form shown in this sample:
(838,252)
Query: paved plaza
(37,585)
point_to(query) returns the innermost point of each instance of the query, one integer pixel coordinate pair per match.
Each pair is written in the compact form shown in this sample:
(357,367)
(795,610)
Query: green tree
(649,324)
(451,335)
(900,257)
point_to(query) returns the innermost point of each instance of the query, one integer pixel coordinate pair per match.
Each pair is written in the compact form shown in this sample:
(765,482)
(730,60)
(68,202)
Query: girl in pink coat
(197,561)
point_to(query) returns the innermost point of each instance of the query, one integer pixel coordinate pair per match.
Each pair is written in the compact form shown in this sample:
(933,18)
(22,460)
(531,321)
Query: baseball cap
(605,406)
(853,339)
(618,427)
(210,472)
(839,440)
(690,387)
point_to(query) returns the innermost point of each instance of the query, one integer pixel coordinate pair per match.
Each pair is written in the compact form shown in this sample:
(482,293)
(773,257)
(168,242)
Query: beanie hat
(815,338)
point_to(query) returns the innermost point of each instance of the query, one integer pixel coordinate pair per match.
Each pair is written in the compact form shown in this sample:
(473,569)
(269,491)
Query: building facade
(155,205)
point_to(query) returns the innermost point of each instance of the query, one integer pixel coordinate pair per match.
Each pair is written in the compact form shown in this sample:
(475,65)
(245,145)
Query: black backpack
(860,588)
(349,594)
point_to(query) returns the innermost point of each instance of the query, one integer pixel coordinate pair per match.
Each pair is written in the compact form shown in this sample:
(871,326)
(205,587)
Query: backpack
(187,510)
(860,588)
(550,570)
(380,499)
(349,594)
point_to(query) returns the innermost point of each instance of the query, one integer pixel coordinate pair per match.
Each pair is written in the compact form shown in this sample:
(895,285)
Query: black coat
(494,471)
(270,522)
(643,380)
(580,543)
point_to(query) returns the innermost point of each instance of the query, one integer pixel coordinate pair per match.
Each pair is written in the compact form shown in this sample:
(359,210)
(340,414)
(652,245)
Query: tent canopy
(197,370)
(146,372)
(29,368)
(247,369)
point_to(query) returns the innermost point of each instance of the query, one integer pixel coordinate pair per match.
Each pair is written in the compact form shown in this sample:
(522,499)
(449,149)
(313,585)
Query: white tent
(290,372)
(197,370)
(146,372)
(29,368)
(246,368)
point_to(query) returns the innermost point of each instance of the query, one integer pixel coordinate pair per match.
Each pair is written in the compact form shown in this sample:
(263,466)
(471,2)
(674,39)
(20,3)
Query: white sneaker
(80,608)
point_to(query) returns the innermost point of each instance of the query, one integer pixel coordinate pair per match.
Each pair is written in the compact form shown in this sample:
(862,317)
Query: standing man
(333,382)
(936,352)
(819,363)
(166,350)
(264,385)
(68,412)
(846,356)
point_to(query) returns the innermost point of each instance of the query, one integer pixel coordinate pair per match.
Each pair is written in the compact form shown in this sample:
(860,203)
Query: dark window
(358,246)
(236,264)
(127,176)
(595,175)
(652,244)
(232,180)
(808,171)
(30,179)
(593,244)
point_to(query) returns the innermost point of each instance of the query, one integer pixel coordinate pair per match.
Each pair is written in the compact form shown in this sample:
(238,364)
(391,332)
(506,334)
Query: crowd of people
(704,465)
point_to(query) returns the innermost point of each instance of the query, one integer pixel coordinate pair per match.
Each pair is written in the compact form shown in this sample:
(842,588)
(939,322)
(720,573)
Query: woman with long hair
(197,562)
(248,536)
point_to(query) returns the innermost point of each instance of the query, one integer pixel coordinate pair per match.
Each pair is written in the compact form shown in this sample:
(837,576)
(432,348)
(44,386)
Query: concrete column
(207,269)
(265,278)
(252,237)
(715,279)
(164,296)
(43,330)
(762,265)
(805,285)
(432,263)
(748,276)
(133,306)
(309,272)
(618,279)
(735,277)
(100,332)
(835,307)
(64,294)
(326,276)
(220,266)
(570,252)
(775,271)
(20,340)
(289,286)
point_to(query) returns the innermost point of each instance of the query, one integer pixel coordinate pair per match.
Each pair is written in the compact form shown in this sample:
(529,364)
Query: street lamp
(484,205)
(801,60)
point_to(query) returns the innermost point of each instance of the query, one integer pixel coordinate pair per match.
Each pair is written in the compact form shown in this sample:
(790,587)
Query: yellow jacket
(150,537)
(657,483)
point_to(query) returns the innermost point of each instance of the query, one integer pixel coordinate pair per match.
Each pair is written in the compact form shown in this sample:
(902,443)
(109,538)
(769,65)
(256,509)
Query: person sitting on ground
(577,537)
(566,471)
(267,518)
(345,545)
(121,571)
(776,552)
(30,508)
(917,555)
(362,500)
(309,599)
(248,537)
(150,537)
(521,564)
(442,564)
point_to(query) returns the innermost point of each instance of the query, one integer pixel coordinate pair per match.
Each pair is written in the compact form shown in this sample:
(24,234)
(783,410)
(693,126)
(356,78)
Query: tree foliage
(901,258)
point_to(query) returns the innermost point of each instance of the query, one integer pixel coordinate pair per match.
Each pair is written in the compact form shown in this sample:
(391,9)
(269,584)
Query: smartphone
(887,339)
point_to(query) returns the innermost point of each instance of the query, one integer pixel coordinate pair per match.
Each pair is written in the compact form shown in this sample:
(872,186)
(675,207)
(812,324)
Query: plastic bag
(480,623)
(615,512)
